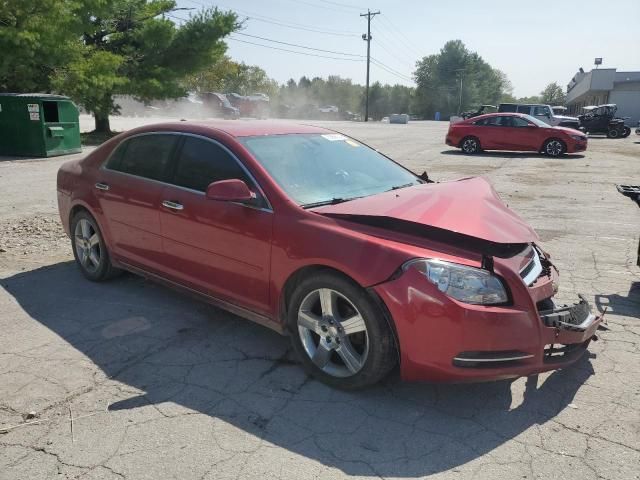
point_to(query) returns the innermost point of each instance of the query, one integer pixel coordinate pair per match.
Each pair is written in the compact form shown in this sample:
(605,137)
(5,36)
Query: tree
(553,94)
(36,39)
(129,47)
(228,76)
(456,79)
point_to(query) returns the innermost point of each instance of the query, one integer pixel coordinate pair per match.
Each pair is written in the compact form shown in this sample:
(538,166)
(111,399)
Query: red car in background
(514,132)
(309,232)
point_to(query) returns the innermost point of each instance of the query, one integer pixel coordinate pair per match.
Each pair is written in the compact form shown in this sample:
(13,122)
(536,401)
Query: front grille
(532,270)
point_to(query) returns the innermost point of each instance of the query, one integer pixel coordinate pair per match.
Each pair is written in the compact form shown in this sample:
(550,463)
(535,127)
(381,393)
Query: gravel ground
(131,380)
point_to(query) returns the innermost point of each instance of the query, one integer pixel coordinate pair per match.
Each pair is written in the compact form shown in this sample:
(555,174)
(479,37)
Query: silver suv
(541,112)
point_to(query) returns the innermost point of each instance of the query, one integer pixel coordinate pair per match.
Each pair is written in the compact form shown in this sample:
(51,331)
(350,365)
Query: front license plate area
(568,316)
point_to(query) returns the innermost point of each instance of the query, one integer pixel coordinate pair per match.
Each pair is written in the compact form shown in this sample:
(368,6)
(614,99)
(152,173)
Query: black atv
(602,119)
(481,111)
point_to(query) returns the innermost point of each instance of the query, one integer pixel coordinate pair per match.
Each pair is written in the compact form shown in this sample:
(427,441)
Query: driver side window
(202,162)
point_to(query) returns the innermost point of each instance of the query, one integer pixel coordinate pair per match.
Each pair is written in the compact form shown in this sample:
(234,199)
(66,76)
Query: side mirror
(530,125)
(233,190)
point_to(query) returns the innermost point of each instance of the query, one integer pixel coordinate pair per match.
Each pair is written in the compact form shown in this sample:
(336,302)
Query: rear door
(492,132)
(128,188)
(222,249)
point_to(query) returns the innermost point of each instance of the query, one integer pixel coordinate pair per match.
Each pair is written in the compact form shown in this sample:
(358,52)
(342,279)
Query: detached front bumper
(445,340)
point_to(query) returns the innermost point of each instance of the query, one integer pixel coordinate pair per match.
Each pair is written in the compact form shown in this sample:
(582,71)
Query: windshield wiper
(398,187)
(333,201)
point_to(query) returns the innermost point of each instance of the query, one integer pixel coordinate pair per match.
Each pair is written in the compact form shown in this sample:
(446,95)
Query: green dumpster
(38,125)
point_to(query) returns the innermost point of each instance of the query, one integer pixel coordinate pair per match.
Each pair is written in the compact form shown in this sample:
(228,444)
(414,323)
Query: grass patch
(94,138)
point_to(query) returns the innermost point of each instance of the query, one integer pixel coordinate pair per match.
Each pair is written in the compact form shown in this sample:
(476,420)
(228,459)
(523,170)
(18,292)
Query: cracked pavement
(129,379)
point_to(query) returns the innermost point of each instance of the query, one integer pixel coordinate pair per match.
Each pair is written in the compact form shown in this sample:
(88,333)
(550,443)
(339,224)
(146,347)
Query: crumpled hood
(468,207)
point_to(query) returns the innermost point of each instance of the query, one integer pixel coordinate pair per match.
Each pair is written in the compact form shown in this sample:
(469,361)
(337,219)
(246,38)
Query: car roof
(497,114)
(235,128)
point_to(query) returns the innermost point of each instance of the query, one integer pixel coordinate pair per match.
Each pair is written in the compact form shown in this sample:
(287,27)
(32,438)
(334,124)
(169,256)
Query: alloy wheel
(333,332)
(469,145)
(88,245)
(554,148)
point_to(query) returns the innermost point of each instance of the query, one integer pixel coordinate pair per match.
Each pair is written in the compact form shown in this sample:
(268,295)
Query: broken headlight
(466,284)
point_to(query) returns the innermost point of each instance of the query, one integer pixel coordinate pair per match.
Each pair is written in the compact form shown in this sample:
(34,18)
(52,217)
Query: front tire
(626,132)
(470,145)
(340,335)
(554,147)
(89,248)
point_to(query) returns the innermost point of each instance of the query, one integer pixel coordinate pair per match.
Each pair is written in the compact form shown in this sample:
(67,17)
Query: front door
(219,248)
(525,135)
(128,189)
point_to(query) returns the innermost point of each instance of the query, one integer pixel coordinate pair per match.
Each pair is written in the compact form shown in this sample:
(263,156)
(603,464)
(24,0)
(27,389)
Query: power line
(391,70)
(400,50)
(340,4)
(286,24)
(294,51)
(393,55)
(303,2)
(297,45)
(401,37)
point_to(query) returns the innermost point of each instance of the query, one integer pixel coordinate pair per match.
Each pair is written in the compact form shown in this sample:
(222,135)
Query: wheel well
(297,276)
(74,211)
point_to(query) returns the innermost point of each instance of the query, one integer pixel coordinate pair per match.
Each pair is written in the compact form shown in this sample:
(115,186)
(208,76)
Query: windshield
(535,121)
(326,168)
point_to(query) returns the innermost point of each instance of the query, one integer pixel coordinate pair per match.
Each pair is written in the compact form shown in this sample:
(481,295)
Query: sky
(534,42)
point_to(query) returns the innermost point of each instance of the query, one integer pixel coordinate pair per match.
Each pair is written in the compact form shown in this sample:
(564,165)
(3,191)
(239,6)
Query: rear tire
(613,133)
(90,249)
(470,145)
(340,335)
(554,147)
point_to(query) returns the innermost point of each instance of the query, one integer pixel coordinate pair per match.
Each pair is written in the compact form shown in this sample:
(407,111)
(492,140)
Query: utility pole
(367,38)
(461,72)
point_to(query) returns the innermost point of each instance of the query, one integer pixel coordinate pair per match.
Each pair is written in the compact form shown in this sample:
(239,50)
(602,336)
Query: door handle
(102,186)
(172,205)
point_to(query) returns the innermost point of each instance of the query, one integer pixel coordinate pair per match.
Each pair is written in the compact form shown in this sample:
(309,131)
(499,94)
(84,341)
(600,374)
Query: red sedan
(312,233)
(514,132)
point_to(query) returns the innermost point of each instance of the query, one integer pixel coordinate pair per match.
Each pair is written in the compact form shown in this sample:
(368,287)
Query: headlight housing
(466,284)
(579,138)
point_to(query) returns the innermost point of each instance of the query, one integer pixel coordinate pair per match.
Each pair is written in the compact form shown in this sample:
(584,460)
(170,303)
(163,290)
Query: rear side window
(145,156)
(499,121)
(116,156)
(202,162)
(519,122)
(524,109)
